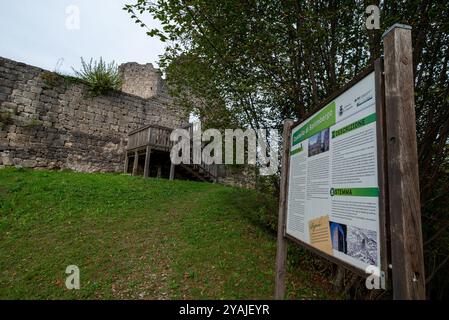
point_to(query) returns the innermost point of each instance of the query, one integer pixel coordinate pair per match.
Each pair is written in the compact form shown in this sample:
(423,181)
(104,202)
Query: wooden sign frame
(403,256)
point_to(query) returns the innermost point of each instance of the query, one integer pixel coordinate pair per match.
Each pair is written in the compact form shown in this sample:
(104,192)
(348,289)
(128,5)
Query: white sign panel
(333,195)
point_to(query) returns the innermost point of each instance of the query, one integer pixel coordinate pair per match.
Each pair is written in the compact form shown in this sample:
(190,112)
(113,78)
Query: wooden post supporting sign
(281,252)
(403,178)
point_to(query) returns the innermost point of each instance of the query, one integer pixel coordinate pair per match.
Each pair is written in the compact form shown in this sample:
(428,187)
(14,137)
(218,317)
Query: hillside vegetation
(136,238)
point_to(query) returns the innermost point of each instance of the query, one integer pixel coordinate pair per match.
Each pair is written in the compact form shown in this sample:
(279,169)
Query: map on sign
(333,194)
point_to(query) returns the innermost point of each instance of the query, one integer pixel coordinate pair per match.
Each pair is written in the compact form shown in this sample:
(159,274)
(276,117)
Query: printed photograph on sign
(319,143)
(339,237)
(362,245)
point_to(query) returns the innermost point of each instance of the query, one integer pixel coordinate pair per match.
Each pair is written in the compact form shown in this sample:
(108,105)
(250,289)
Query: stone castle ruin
(47,121)
(141,80)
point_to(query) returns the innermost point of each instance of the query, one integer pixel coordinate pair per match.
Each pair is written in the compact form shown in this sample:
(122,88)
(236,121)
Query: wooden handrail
(153,135)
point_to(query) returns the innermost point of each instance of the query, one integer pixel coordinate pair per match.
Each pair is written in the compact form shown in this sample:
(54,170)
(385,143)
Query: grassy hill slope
(135,238)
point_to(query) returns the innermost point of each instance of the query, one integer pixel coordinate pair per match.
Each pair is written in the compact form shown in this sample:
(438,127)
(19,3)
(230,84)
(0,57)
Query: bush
(55,79)
(100,76)
(33,123)
(5,119)
(51,79)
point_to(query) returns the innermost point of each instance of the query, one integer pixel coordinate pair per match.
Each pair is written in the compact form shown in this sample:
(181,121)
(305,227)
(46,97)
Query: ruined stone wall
(238,176)
(48,121)
(141,80)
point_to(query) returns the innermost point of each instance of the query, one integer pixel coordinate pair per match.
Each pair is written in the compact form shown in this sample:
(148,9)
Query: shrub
(5,119)
(54,79)
(51,79)
(100,76)
(33,123)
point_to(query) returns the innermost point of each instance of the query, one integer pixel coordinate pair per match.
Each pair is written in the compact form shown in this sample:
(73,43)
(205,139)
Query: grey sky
(35,32)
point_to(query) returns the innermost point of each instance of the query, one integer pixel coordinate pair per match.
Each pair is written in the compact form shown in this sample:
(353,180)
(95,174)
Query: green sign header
(297,150)
(325,118)
(355,125)
(355,192)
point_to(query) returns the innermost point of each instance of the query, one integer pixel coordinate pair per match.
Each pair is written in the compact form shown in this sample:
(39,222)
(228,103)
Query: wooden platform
(155,139)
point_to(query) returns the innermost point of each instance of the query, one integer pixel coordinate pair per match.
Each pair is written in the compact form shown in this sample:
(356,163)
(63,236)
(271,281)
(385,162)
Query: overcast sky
(43,32)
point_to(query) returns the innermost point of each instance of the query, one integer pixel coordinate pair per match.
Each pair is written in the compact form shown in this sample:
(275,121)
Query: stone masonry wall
(48,121)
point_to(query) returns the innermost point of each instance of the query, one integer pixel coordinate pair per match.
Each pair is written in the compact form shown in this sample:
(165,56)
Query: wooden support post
(146,169)
(172,171)
(403,177)
(125,169)
(281,250)
(136,162)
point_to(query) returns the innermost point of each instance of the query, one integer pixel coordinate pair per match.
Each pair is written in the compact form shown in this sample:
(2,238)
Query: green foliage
(55,79)
(135,238)
(5,119)
(100,76)
(51,79)
(33,123)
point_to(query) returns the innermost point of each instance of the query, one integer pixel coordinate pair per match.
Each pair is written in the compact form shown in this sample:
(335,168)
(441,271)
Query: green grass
(135,238)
